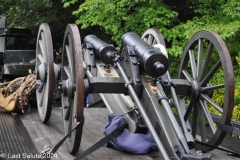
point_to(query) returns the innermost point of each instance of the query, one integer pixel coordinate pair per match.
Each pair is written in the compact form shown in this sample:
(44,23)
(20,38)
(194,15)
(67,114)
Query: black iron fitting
(161,98)
(164,80)
(115,57)
(136,115)
(90,51)
(130,54)
(130,51)
(126,59)
(88,67)
(134,60)
(87,45)
(127,84)
(126,87)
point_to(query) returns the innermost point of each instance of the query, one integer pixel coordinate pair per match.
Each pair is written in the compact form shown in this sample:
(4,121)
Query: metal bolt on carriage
(136,81)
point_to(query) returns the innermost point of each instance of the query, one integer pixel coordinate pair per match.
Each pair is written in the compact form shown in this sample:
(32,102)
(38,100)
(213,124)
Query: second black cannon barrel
(153,61)
(105,52)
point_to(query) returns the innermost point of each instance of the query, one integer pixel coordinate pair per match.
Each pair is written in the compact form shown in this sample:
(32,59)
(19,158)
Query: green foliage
(68,3)
(218,95)
(31,13)
(118,17)
(236,113)
(209,15)
(27,13)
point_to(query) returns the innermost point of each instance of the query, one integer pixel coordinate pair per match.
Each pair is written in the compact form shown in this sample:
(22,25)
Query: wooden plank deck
(95,120)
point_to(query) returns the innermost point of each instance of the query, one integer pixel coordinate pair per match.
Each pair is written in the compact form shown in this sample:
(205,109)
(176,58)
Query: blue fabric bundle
(135,143)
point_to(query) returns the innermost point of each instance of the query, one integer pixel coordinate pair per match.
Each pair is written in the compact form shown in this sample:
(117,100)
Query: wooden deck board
(95,120)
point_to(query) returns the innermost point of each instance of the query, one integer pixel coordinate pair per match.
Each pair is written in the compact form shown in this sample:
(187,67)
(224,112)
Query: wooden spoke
(193,64)
(212,88)
(209,100)
(187,75)
(199,58)
(152,37)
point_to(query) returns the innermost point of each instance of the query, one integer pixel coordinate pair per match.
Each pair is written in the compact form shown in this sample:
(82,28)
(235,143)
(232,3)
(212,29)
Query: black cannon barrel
(154,62)
(105,52)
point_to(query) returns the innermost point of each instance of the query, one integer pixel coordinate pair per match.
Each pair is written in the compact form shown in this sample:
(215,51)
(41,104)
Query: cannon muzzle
(105,52)
(154,62)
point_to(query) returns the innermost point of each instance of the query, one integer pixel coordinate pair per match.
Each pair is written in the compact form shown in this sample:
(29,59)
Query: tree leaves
(118,17)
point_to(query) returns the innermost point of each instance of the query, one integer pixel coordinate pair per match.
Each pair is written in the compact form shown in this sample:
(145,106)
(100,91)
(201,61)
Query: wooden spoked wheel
(153,36)
(207,66)
(72,77)
(44,72)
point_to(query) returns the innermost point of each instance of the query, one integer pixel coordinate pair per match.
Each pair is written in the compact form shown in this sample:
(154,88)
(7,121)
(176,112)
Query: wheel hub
(195,90)
(68,87)
(41,71)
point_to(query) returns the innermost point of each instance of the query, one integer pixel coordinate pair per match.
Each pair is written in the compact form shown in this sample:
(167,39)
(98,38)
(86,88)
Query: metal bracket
(135,114)
(229,129)
(134,64)
(89,47)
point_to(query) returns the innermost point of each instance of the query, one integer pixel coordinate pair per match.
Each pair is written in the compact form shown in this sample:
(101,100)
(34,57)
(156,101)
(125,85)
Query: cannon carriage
(137,84)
